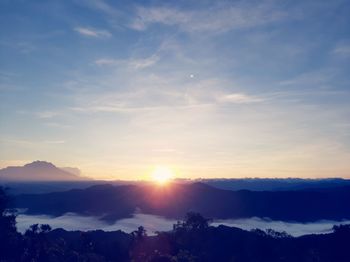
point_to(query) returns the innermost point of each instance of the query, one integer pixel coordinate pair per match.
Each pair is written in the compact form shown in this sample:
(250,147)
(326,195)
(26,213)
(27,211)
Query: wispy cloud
(54,141)
(102,5)
(143,63)
(167,16)
(219,18)
(99,5)
(18,142)
(131,109)
(57,125)
(92,32)
(29,143)
(135,63)
(312,78)
(25,47)
(342,50)
(106,61)
(155,93)
(47,114)
(239,98)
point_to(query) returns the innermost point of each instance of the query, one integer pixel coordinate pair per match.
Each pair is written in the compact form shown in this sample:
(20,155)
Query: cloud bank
(154,223)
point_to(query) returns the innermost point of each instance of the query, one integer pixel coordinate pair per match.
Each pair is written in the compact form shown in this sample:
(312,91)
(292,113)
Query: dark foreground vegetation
(190,240)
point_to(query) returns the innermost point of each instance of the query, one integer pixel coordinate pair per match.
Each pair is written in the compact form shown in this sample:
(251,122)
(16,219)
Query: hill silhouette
(39,171)
(191,239)
(175,200)
(275,184)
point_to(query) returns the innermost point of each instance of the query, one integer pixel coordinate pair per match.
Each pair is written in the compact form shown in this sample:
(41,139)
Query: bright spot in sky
(191,75)
(162,174)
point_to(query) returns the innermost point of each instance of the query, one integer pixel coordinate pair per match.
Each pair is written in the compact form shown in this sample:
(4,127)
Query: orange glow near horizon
(162,175)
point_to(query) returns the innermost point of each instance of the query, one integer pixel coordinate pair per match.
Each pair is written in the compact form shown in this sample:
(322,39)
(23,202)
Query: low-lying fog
(153,223)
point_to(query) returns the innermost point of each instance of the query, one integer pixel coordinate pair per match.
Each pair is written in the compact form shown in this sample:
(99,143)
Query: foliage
(191,240)
(193,222)
(10,240)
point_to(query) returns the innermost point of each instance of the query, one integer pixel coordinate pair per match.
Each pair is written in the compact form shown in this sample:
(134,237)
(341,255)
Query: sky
(206,88)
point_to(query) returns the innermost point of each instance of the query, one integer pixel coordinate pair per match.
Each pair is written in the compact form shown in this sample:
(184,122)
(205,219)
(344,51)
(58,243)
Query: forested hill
(175,200)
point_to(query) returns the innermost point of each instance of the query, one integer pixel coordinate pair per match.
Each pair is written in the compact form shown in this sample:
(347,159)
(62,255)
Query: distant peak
(40,164)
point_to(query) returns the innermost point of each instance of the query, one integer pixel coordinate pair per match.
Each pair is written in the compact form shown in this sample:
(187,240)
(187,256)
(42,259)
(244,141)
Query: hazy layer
(154,223)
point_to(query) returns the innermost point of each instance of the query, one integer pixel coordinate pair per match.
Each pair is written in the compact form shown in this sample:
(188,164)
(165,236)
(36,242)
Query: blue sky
(207,88)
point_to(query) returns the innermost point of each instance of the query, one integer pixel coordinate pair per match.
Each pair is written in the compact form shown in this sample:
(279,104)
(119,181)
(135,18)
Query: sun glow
(162,175)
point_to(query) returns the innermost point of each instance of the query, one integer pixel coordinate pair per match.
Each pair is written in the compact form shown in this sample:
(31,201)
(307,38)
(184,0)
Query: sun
(162,175)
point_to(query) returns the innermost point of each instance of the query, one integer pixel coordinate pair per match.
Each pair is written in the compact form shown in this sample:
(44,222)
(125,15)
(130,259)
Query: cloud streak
(91,32)
(220,18)
(134,63)
(342,50)
(152,224)
(150,93)
(47,114)
(55,142)
(239,98)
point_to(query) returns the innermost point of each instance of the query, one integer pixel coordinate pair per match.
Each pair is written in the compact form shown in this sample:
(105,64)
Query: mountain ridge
(175,200)
(37,171)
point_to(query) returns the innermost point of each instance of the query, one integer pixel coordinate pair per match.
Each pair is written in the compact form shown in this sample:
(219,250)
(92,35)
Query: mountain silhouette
(37,171)
(191,239)
(174,201)
(275,184)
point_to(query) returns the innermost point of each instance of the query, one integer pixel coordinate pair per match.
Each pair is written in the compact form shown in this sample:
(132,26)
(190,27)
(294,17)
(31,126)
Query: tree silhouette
(192,222)
(10,240)
(140,233)
(192,239)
